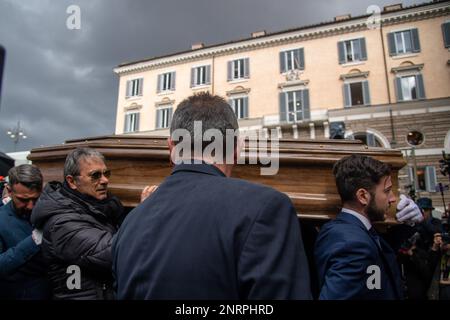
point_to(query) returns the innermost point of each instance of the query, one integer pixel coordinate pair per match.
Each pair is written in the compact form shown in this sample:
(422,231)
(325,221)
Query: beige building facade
(378,77)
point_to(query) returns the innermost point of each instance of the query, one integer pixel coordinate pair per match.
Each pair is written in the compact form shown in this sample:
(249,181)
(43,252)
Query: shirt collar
(200,168)
(358,215)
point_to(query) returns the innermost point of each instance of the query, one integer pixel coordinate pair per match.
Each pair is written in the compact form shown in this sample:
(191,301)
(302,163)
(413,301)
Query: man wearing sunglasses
(79,218)
(22,269)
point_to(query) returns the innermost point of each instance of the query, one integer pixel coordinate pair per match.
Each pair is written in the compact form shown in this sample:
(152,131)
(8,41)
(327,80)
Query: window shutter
(208,74)
(231,103)
(430,178)
(193,70)
(420,87)
(371,142)
(136,121)
(398,88)
(283,114)
(141,83)
(391,44)
(446,34)
(158,89)
(245,106)
(415,40)
(158,118)
(362,44)
(246,68)
(412,178)
(341,51)
(282,62)
(366,92)
(301,57)
(125,129)
(128,90)
(230,71)
(172,81)
(347,95)
(170,117)
(305,104)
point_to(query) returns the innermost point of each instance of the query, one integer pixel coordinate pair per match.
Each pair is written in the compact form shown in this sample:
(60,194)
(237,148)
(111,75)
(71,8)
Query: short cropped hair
(26,174)
(213,112)
(72,164)
(357,171)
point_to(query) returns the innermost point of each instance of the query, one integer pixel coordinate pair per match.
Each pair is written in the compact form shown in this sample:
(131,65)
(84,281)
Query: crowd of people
(204,235)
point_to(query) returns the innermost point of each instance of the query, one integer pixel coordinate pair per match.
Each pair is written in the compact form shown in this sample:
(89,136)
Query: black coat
(202,235)
(78,230)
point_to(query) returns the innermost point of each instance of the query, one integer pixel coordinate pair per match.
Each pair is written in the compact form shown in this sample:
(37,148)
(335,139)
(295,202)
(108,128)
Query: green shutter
(366,92)
(347,95)
(362,45)
(415,40)
(301,57)
(420,87)
(246,68)
(391,44)
(245,106)
(172,81)
(398,88)
(229,70)
(193,77)
(282,62)
(446,34)
(208,74)
(305,105)
(430,178)
(283,114)
(128,90)
(341,52)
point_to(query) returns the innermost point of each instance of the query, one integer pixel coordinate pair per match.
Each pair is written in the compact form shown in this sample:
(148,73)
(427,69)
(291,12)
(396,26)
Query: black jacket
(78,230)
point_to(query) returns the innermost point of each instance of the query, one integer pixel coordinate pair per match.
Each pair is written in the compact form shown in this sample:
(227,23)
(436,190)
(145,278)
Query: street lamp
(16,134)
(414,139)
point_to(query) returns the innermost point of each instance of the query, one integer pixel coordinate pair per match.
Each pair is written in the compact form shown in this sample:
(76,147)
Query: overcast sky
(59,83)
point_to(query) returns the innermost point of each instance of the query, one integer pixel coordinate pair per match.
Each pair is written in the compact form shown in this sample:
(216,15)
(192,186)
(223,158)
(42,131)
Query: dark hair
(357,171)
(213,112)
(28,175)
(72,164)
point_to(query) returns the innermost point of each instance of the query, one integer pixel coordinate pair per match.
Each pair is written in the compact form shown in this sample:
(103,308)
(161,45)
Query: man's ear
(8,188)
(363,196)
(71,182)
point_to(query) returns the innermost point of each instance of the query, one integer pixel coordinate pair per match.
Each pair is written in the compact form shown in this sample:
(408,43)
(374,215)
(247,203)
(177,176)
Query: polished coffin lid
(304,173)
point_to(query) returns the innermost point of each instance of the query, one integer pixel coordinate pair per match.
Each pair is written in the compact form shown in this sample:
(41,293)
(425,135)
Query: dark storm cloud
(59,83)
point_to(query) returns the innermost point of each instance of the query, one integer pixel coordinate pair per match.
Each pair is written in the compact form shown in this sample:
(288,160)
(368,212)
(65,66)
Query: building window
(166,81)
(426,178)
(352,50)
(134,87)
(446,34)
(410,87)
(292,60)
(240,107)
(356,94)
(294,106)
(402,42)
(131,122)
(163,117)
(238,69)
(200,76)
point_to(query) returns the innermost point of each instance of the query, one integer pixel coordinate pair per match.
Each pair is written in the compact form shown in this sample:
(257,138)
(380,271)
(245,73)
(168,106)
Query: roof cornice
(355,24)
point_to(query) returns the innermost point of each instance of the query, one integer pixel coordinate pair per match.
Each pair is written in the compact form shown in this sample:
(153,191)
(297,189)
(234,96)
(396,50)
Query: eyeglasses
(97,174)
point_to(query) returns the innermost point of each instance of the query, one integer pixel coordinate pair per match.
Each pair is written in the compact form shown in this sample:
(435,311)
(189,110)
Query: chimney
(393,7)
(197,45)
(258,34)
(342,17)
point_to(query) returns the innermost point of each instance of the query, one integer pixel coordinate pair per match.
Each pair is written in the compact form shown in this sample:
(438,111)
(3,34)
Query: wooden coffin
(305,168)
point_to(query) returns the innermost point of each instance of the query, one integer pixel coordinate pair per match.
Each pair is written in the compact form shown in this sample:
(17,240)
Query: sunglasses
(97,174)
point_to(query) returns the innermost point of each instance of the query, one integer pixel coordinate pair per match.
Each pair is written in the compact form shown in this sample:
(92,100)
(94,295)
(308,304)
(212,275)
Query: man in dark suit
(204,235)
(353,261)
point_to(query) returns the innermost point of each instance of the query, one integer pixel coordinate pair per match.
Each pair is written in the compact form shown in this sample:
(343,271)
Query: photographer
(419,254)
